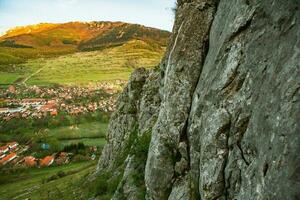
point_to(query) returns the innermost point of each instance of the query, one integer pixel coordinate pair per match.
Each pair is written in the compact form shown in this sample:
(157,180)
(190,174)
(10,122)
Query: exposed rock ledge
(222,111)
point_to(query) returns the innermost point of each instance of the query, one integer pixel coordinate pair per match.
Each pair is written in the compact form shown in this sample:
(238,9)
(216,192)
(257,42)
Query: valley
(58,87)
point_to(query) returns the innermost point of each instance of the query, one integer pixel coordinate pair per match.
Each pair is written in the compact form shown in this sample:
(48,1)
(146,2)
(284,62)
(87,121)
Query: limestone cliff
(219,119)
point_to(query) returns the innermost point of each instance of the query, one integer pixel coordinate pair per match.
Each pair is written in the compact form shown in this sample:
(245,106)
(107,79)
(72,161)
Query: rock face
(222,110)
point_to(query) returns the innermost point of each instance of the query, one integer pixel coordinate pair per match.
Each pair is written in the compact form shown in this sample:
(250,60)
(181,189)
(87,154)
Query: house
(63,158)
(12,145)
(54,112)
(52,102)
(45,146)
(93,149)
(48,107)
(33,101)
(8,158)
(11,89)
(47,161)
(4,149)
(4,110)
(30,161)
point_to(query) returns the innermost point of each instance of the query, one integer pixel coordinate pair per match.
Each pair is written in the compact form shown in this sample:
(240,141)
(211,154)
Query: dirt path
(31,75)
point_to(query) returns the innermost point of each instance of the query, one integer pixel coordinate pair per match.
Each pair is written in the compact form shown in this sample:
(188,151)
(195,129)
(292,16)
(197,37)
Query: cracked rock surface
(223,109)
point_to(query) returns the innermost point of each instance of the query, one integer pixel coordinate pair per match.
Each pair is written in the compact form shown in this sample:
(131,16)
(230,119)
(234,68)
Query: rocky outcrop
(222,110)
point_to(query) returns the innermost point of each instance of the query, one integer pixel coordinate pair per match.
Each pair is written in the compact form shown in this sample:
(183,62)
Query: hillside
(124,33)
(45,53)
(87,67)
(46,39)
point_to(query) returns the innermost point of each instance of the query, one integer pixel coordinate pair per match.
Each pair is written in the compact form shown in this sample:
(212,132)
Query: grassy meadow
(37,184)
(86,67)
(85,130)
(90,134)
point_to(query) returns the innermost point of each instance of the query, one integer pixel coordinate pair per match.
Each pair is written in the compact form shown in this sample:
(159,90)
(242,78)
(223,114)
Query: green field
(8,78)
(31,184)
(86,130)
(90,134)
(115,63)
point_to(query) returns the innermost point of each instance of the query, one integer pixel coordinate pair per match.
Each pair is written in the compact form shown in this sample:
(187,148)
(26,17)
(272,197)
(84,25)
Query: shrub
(80,158)
(61,174)
(51,178)
(101,184)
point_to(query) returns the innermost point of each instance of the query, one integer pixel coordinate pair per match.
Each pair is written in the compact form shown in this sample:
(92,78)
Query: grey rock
(180,79)
(223,109)
(180,190)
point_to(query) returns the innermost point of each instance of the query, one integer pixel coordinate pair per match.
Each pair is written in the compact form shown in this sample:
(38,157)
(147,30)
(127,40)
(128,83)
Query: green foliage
(43,138)
(69,41)
(105,185)
(140,151)
(6,59)
(66,182)
(119,161)
(16,128)
(12,44)
(80,157)
(74,147)
(141,145)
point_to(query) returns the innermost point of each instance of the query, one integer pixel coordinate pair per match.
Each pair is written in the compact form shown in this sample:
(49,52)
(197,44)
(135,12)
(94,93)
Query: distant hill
(57,35)
(48,39)
(77,52)
(121,34)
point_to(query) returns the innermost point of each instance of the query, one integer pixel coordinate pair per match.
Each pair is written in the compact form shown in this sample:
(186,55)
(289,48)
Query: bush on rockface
(105,185)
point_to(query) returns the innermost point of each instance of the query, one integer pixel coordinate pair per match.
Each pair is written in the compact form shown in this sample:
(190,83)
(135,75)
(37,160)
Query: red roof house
(63,158)
(48,107)
(54,112)
(4,149)
(47,161)
(8,158)
(30,161)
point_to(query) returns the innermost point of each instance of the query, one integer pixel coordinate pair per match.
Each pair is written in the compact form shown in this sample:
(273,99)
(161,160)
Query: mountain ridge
(50,39)
(73,31)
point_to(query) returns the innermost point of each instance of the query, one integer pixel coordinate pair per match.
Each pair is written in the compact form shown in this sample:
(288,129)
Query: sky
(153,13)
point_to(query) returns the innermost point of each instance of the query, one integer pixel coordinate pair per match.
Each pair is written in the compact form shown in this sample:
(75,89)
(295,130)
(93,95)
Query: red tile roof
(3,148)
(8,158)
(48,107)
(47,161)
(29,161)
(63,154)
(33,100)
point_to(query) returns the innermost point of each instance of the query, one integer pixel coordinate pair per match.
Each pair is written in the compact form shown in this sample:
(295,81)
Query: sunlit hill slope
(22,48)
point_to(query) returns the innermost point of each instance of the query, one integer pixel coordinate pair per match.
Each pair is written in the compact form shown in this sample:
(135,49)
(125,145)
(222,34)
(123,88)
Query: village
(14,154)
(49,103)
(39,102)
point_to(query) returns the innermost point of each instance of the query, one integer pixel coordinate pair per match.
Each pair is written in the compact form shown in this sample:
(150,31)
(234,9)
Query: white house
(12,145)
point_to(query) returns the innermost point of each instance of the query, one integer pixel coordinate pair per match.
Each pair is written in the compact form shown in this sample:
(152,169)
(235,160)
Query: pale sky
(153,13)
